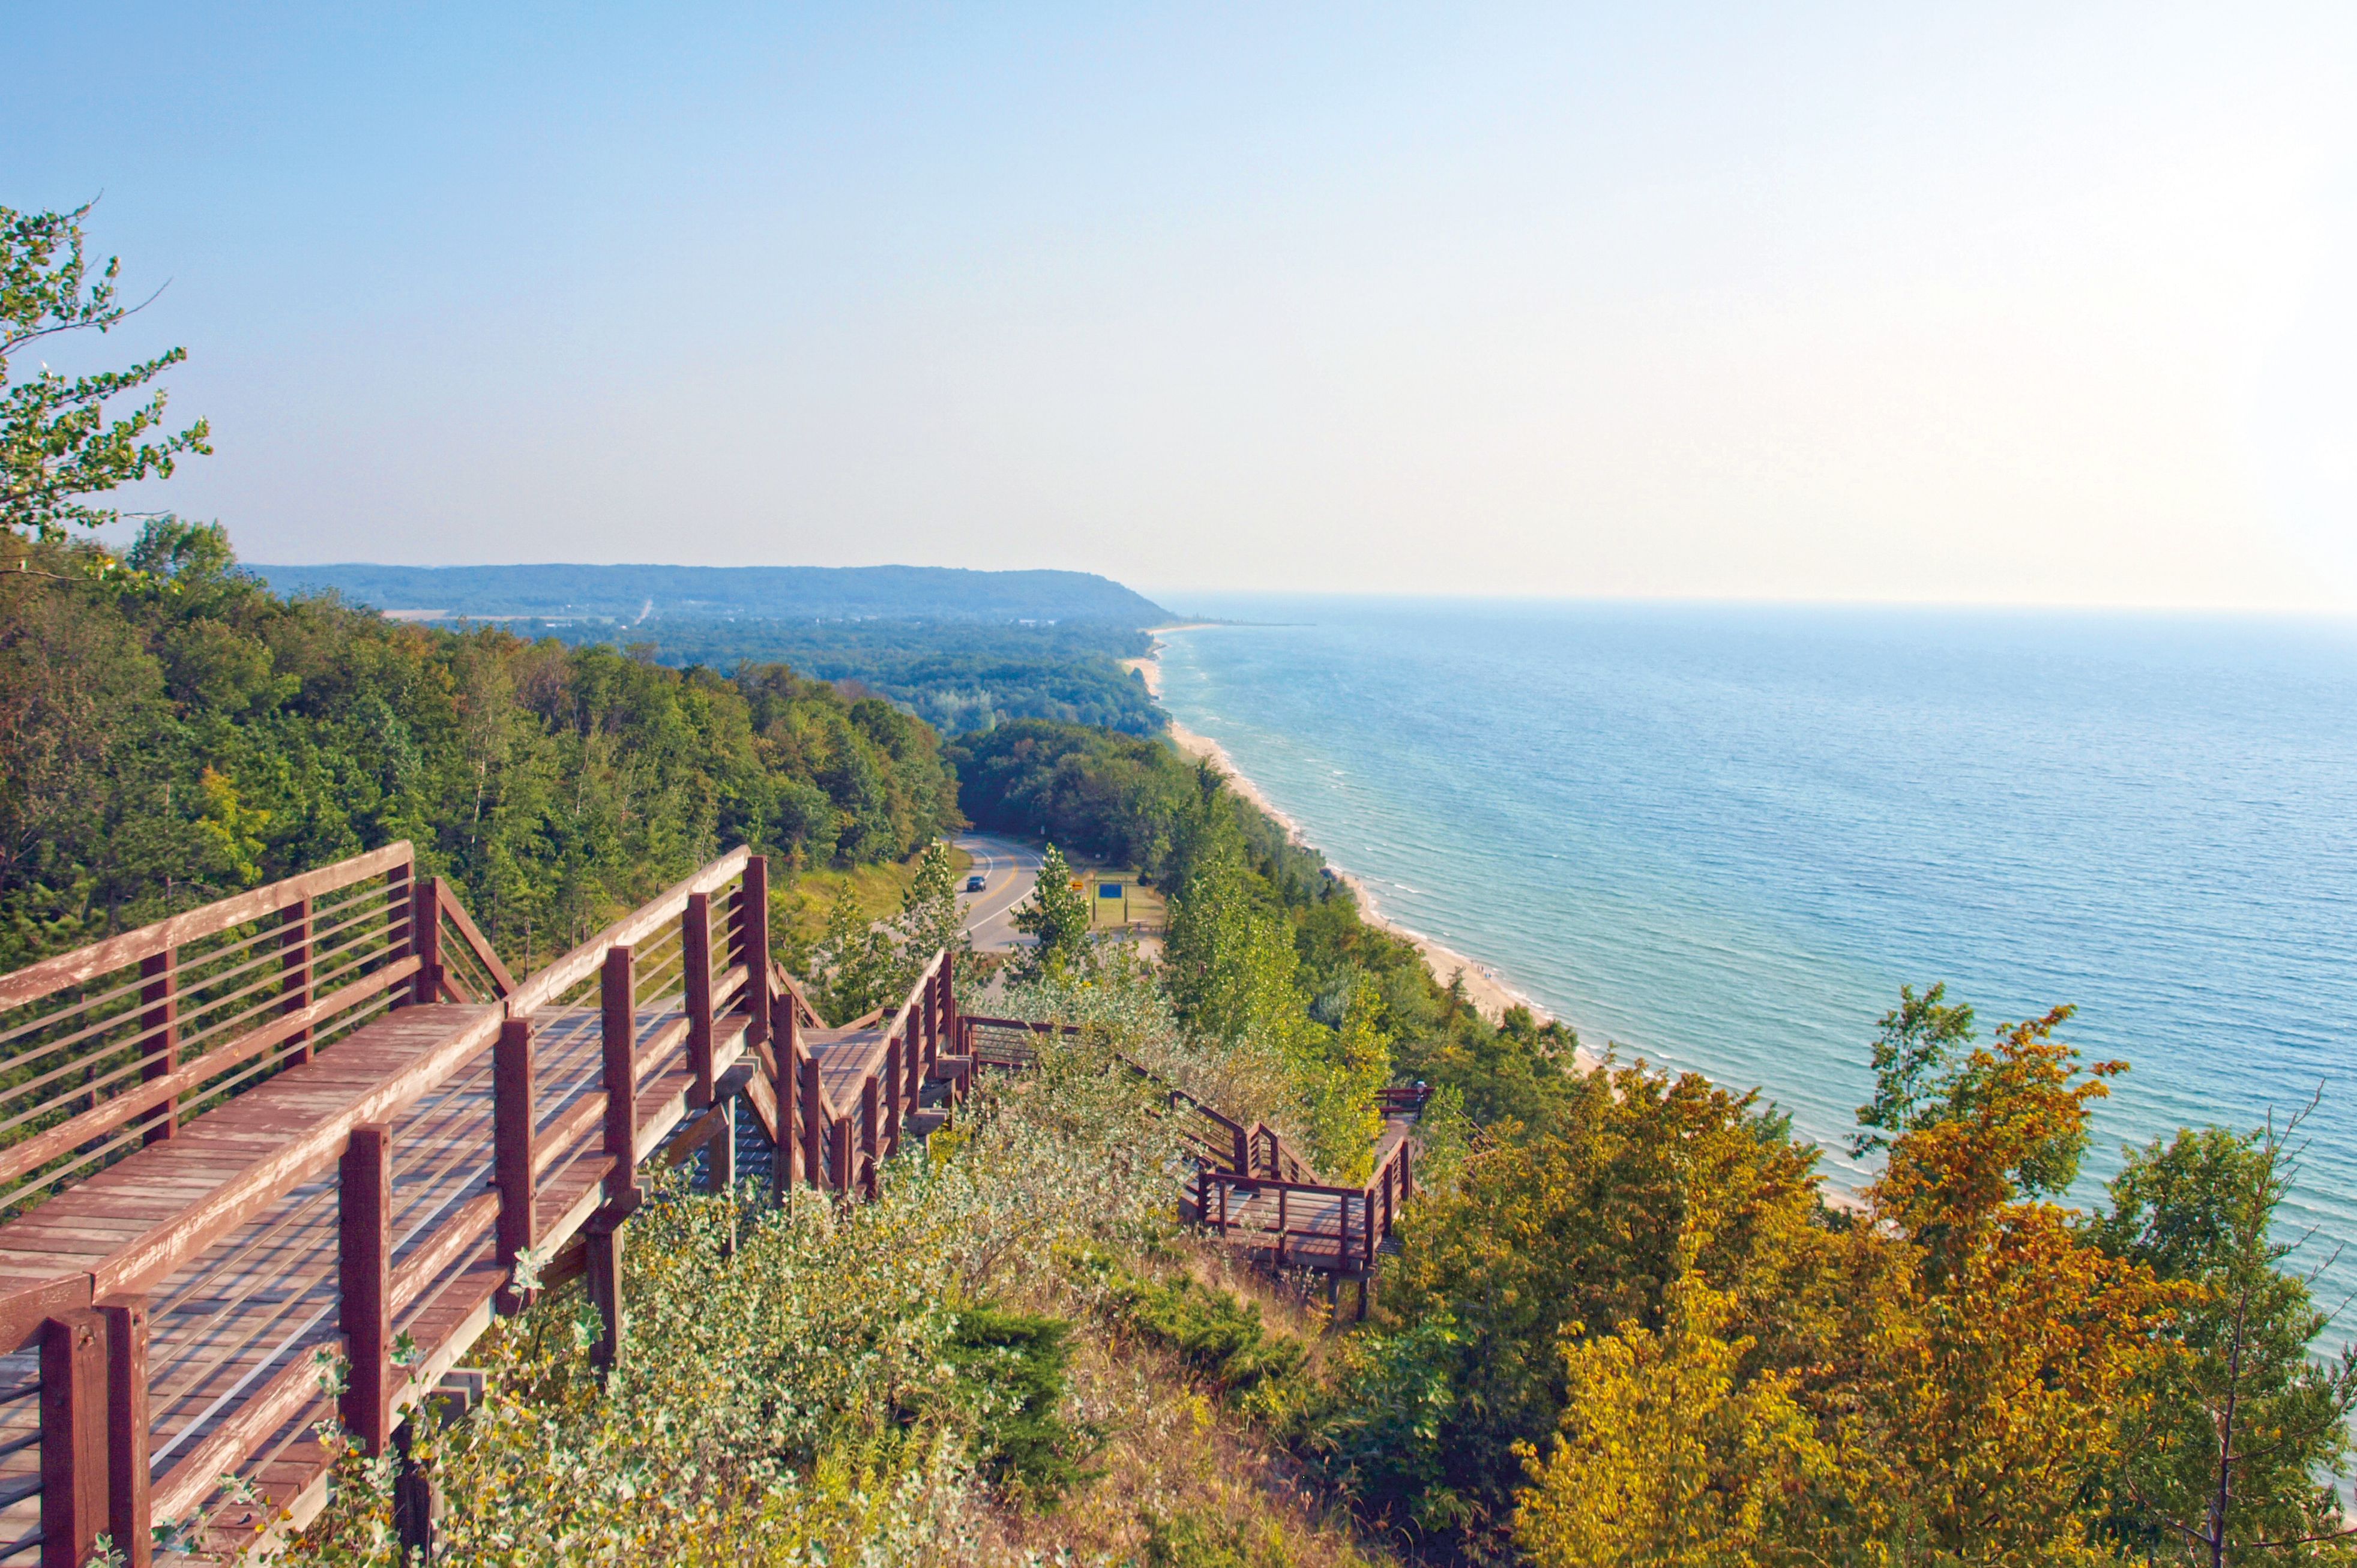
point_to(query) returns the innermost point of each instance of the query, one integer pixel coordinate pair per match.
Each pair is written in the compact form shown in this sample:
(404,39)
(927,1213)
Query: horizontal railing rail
(110,1048)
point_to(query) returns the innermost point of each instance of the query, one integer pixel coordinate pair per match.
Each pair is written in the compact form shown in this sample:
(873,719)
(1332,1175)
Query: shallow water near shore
(1723,836)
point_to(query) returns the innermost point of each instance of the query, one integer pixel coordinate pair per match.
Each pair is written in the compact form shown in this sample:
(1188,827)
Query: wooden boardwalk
(319,1126)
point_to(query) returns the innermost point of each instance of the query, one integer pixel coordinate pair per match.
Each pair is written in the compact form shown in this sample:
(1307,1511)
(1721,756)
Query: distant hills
(624,596)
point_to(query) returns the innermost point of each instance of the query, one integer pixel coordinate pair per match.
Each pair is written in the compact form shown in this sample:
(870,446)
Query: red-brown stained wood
(364,1284)
(425,939)
(813,1122)
(579,965)
(39,979)
(753,950)
(695,950)
(126,1428)
(477,943)
(604,1238)
(617,1032)
(294,966)
(73,1437)
(159,1027)
(513,1117)
(124,1108)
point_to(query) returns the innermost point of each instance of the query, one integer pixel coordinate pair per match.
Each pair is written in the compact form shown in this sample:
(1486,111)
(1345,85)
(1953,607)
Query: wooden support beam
(695,957)
(128,1519)
(477,942)
(890,1095)
(514,1111)
(603,1238)
(364,1276)
(839,1142)
(74,1436)
(159,1032)
(295,968)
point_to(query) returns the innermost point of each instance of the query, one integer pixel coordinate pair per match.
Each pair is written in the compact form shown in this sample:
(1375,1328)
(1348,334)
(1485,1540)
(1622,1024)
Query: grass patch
(798,913)
(1215,1332)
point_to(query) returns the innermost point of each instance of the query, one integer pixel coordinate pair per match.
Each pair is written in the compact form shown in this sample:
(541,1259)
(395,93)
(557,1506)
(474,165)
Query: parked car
(975,884)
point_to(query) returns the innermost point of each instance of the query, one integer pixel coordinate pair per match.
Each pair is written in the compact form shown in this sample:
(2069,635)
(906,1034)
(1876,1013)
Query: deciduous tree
(58,444)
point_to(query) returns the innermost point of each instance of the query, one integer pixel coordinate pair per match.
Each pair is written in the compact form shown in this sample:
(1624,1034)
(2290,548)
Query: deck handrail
(562,974)
(107,1048)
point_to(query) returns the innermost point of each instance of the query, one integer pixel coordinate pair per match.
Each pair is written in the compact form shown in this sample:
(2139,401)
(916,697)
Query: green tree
(2229,1457)
(1234,972)
(56,442)
(1056,915)
(1341,1071)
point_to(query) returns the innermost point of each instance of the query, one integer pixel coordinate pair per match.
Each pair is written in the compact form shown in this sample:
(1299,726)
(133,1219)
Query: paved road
(1011,870)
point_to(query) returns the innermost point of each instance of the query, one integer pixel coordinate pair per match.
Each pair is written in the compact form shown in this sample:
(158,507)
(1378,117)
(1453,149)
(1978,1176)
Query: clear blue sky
(1999,303)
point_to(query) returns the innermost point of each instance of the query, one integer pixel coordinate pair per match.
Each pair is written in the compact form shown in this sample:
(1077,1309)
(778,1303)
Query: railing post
(1280,1227)
(753,946)
(159,1031)
(126,1428)
(619,1029)
(813,1119)
(603,1234)
(839,1179)
(870,1114)
(513,1114)
(425,939)
(948,1000)
(74,1436)
(295,967)
(896,1057)
(932,1023)
(695,958)
(364,1260)
(786,1037)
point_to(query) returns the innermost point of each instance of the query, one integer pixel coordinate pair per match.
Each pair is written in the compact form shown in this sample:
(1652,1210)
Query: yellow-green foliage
(788,1392)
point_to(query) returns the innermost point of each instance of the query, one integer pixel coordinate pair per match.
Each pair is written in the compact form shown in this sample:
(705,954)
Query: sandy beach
(1490,995)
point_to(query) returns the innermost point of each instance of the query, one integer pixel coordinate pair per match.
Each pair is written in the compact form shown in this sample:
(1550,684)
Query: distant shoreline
(1490,995)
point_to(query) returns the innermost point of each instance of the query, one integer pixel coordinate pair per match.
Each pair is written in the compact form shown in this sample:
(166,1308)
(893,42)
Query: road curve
(1010,869)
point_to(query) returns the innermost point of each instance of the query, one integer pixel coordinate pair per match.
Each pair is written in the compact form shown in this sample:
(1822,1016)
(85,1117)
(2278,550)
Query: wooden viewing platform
(320,1122)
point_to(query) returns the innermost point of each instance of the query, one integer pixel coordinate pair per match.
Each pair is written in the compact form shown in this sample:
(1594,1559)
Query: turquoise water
(1722,837)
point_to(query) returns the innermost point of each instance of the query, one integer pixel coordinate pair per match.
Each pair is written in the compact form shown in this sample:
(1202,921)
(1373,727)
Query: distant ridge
(627,594)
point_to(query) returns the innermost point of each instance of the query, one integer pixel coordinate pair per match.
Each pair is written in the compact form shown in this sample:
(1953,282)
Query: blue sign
(1108,889)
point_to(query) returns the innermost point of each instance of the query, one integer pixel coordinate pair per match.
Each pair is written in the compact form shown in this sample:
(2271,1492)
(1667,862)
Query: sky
(2036,304)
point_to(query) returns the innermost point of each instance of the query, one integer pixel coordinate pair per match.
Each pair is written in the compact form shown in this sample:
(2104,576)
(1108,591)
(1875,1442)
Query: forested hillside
(958,676)
(621,595)
(171,731)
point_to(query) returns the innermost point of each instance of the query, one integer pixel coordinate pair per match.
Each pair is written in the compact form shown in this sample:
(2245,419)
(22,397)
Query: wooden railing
(1307,1223)
(402,1197)
(838,1138)
(343,1228)
(110,1048)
